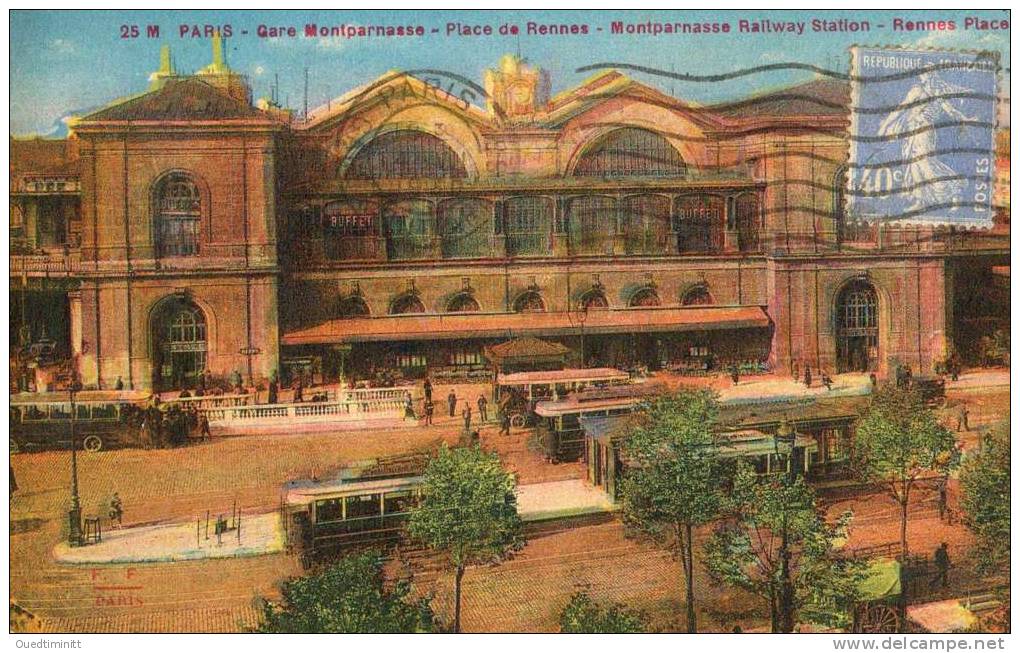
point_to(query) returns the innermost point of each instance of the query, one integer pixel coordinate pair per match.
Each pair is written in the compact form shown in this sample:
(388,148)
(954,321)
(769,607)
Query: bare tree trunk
(773,608)
(456,597)
(692,626)
(904,503)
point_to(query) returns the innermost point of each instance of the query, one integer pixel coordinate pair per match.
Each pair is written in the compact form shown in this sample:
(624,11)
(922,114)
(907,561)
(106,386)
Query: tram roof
(563,376)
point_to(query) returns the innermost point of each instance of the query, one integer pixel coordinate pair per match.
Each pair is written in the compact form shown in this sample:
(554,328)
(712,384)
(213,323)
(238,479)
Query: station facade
(405,227)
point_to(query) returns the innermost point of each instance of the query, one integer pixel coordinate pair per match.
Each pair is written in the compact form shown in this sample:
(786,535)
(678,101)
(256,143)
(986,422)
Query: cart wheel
(15,447)
(880,619)
(92,443)
(517,421)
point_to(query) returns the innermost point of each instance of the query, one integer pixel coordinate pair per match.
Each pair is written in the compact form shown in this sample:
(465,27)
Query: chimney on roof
(219,74)
(165,71)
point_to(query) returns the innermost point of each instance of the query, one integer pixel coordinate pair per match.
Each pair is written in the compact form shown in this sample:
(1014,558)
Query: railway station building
(407,227)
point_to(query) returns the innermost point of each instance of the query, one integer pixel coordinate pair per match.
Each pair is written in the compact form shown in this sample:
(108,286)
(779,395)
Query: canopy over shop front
(459,326)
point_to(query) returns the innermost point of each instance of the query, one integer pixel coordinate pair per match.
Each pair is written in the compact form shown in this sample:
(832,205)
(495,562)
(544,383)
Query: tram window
(60,411)
(81,412)
(778,463)
(104,411)
(328,510)
(366,505)
(758,463)
(15,415)
(571,422)
(395,502)
(34,413)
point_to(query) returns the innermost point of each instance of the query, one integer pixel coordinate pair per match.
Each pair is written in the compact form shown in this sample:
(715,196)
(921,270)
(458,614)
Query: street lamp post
(580,315)
(74,534)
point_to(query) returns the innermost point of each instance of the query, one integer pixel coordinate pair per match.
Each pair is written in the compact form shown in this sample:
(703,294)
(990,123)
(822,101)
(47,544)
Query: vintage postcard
(510,321)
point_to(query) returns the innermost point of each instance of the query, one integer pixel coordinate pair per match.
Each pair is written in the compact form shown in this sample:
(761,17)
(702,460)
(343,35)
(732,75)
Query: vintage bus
(519,392)
(102,419)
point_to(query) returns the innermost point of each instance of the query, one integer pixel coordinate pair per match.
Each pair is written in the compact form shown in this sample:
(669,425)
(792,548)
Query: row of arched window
(529,301)
(416,154)
(648,223)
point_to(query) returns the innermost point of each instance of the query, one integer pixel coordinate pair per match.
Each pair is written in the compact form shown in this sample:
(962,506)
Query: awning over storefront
(503,325)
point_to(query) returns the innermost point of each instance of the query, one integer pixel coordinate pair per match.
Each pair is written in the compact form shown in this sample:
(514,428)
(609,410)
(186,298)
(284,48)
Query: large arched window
(647,297)
(592,221)
(409,226)
(698,221)
(408,303)
(630,152)
(529,302)
(180,343)
(463,303)
(465,226)
(528,223)
(857,327)
(352,307)
(178,215)
(644,221)
(406,154)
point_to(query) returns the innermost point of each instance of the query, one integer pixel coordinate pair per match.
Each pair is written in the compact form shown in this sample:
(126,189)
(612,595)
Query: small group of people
(809,377)
(162,426)
(429,407)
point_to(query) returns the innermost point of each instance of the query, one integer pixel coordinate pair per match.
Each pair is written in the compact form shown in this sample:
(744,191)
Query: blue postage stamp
(921,137)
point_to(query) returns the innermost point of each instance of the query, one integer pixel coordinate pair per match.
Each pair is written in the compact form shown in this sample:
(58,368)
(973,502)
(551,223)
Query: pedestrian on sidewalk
(119,385)
(807,376)
(203,426)
(451,401)
(467,417)
(274,388)
(942,566)
(409,407)
(116,510)
(827,381)
(428,390)
(299,389)
(483,408)
(734,373)
(430,409)
(795,371)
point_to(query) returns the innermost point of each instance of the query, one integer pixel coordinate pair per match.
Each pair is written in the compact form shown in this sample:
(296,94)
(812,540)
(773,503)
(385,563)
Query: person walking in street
(483,408)
(807,376)
(734,373)
(943,498)
(116,510)
(119,384)
(409,407)
(430,409)
(962,423)
(467,417)
(299,390)
(14,484)
(203,426)
(942,566)
(427,387)
(451,401)
(504,422)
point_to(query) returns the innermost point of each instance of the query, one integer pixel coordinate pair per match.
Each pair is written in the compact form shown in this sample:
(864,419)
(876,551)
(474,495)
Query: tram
(519,392)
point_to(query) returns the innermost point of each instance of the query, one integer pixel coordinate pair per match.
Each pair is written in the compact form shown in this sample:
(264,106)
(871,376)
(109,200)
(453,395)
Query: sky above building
(69,62)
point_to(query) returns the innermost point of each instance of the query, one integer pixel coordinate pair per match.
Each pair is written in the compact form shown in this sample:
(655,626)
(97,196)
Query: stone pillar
(75,315)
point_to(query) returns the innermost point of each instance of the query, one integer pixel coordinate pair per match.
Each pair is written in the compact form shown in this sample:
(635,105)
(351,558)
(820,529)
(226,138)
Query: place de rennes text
(532,28)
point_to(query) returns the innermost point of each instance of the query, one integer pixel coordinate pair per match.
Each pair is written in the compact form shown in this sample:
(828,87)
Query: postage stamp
(921,136)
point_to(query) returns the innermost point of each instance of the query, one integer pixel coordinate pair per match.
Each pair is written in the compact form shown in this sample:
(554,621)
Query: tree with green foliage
(583,614)
(774,543)
(984,481)
(351,596)
(672,483)
(468,512)
(899,442)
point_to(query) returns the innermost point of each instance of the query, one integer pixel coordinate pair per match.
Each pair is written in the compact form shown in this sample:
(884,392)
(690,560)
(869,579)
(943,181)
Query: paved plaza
(160,487)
